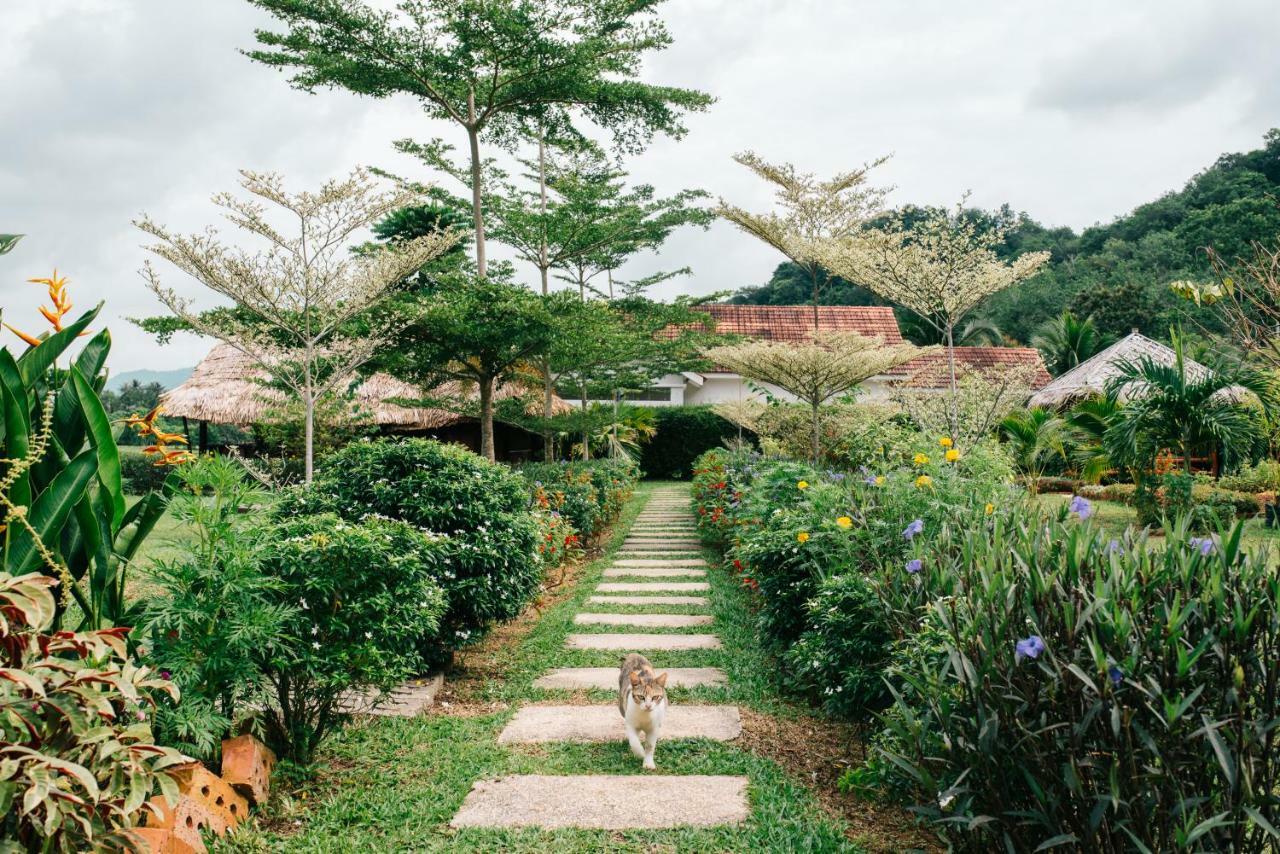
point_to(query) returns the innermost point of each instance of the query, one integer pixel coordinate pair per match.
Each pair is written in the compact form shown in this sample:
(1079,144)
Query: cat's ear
(635,678)
(661,680)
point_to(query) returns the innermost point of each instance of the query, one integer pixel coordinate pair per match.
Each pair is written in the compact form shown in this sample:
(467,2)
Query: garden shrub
(1097,694)
(683,434)
(1264,476)
(77,758)
(590,493)
(140,472)
(493,565)
(363,611)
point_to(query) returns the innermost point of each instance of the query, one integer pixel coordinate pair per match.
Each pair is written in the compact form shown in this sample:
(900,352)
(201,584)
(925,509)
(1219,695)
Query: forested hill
(1118,272)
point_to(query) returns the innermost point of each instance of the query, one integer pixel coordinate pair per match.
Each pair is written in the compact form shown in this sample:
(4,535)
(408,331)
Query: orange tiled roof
(794,323)
(931,370)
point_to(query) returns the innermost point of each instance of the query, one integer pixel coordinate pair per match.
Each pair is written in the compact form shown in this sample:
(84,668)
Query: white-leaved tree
(301,298)
(810,211)
(817,371)
(940,266)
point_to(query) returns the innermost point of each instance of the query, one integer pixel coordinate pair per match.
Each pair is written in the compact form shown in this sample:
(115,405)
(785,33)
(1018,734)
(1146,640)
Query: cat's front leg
(636,747)
(650,745)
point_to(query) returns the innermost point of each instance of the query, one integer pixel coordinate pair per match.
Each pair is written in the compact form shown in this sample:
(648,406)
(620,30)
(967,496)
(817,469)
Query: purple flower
(1114,546)
(914,528)
(165,674)
(1030,647)
(914,566)
(1081,506)
(869,480)
(835,476)
(1204,545)
(1116,675)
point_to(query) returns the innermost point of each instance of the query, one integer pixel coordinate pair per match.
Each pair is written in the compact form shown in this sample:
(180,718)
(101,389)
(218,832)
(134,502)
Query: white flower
(315,644)
(368,635)
(315,630)
(945,801)
(303,603)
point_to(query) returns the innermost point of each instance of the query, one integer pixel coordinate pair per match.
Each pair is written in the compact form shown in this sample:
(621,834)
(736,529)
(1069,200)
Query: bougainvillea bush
(77,760)
(493,567)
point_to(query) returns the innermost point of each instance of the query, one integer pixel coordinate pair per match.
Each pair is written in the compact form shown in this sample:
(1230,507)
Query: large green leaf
(50,511)
(17,425)
(37,360)
(8,241)
(104,442)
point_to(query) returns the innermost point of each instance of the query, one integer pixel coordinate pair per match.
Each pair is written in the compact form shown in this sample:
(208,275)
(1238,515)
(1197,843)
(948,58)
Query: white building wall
(730,388)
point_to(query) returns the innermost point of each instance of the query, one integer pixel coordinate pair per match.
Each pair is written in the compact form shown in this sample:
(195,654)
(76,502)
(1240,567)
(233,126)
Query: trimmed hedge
(683,434)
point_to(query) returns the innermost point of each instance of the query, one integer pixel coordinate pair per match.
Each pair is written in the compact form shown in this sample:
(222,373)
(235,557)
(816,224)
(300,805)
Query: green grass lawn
(393,784)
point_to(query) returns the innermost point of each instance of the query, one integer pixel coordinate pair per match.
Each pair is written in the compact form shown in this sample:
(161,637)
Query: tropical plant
(215,617)
(941,266)
(496,69)
(1181,407)
(62,503)
(815,372)
(1067,340)
(1035,437)
(812,211)
(296,303)
(77,759)
(1089,420)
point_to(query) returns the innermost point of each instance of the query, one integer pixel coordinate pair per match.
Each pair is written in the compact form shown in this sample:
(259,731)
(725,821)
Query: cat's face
(648,693)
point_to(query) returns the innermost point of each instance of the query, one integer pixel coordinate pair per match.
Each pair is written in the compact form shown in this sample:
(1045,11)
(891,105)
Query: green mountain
(1118,272)
(166,379)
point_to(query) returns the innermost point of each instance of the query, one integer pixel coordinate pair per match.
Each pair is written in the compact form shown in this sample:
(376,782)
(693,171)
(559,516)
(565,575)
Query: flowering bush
(77,760)
(364,609)
(1095,693)
(591,494)
(558,542)
(493,566)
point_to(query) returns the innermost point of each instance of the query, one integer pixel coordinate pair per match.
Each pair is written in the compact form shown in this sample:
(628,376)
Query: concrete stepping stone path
(653,572)
(660,621)
(606,678)
(647,600)
(662,544)
(540,724)
(605,802)
(638,643)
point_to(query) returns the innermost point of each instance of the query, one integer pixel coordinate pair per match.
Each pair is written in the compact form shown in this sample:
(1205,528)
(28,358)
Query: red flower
(737,564)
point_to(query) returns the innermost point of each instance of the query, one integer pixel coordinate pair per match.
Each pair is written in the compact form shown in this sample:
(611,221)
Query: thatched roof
(1090,377)
(227,388)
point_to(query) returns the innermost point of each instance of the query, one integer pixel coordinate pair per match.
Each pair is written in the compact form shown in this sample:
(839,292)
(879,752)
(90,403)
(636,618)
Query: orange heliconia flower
(166,456)
(145,424)
(57,287)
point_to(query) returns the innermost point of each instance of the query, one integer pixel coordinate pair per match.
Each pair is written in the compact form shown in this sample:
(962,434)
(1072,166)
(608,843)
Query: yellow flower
(945,441)
(922,459)
(923,480)
(802,537)
(845,522)
(879,480)
(991,508)
(804,484)
(953,455)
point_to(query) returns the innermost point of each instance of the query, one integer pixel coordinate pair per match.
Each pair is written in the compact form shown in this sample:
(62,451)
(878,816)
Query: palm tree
(978,332)
(1088,422)
(1181,407)
(1034,437)
(1066,340)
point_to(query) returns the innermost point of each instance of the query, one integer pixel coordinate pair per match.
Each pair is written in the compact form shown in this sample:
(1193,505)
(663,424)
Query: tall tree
(471,332)
(295,301)
(941,267)
(817,371)
(811,211)
(495,68)
(1067,340)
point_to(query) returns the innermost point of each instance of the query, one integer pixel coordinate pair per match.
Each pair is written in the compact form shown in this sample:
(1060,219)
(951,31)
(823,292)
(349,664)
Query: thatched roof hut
(228,387)
(1090,377)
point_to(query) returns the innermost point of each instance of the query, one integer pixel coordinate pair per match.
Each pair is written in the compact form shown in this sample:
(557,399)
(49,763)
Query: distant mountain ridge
(167,379)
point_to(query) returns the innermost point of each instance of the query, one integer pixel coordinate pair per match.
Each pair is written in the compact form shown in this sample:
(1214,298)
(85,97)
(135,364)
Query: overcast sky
(1074,111)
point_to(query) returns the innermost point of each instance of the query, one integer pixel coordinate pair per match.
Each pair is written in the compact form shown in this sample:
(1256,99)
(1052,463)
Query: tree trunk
(477,213)
(486,419)
(548,411)
(309,419)
(586,428)
(548,439)
(953,414)
(813,274)
(817,433)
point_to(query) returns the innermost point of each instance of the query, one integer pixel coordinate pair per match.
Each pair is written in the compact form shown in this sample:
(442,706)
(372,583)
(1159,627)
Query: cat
(642,699)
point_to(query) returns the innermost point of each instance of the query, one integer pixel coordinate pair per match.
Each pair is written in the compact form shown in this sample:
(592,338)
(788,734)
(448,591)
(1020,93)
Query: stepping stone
(582,678)
(665,621)
(633,642)
(653,572)
(644,540)
(537,724)
(651,552)
(680,561)
(653,587)
(605,802)
(647,600)
(406,701)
